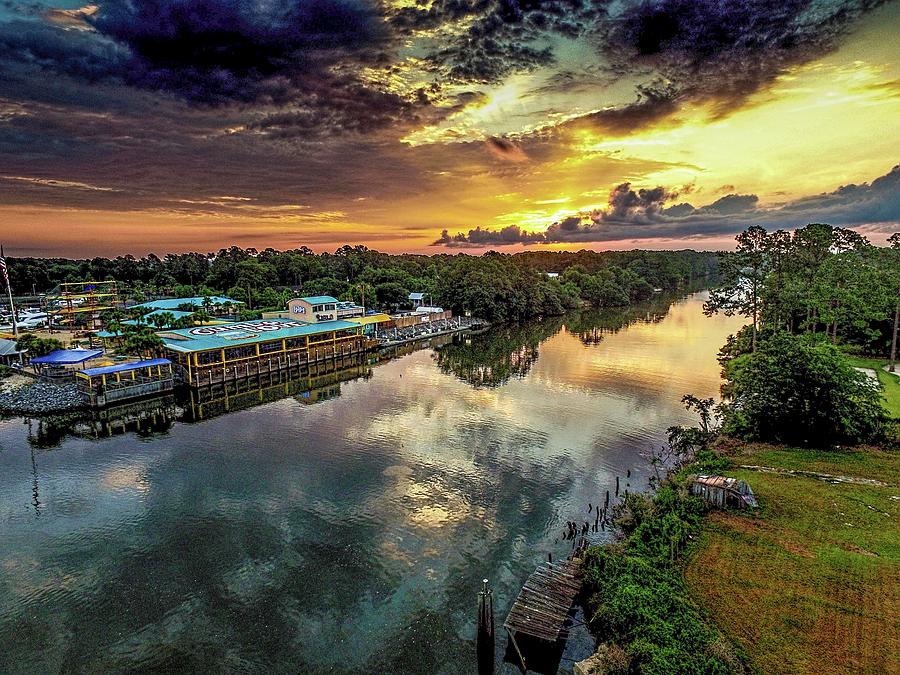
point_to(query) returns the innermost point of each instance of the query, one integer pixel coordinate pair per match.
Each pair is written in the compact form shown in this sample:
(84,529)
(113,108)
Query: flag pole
(12,309)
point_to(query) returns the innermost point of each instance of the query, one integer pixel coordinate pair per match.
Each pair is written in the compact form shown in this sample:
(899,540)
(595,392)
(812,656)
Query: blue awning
(124,367)
(64,357)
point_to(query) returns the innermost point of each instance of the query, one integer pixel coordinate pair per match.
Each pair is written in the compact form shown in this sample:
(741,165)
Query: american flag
(3,267)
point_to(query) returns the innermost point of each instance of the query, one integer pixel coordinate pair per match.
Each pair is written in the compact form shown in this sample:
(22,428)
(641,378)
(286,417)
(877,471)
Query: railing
(265,364)
(148,388)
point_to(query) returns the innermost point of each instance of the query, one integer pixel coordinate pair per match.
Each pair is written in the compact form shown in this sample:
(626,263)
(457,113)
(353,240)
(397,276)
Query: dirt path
(827,477)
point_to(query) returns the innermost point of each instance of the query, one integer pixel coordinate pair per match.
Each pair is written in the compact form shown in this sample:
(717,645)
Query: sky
(136,126)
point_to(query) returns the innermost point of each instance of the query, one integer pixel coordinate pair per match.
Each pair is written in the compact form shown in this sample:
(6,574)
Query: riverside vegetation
(496,287)
(810,582)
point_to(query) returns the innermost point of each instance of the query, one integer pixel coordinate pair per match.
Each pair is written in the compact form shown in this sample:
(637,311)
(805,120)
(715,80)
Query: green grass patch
(811,581)
(889,382)
(876,463)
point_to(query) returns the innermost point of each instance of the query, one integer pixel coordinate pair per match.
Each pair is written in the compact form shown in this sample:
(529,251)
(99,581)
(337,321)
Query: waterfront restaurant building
(220,353)
(314,309)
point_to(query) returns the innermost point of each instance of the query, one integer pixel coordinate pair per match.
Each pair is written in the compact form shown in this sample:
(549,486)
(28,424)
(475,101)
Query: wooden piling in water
(484,641)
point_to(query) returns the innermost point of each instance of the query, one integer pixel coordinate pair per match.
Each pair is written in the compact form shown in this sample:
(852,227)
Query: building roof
(416,296)
(175,303)
(371,318)
(319,299)
(202,338)
(62,357)
(123,367)
(8,348)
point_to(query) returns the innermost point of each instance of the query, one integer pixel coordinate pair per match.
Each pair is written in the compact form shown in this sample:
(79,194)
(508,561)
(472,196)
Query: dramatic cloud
(708,51)
(480,237)
(641,214)
(397,118)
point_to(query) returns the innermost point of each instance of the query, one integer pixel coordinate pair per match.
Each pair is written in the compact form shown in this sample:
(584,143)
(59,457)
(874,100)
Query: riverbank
(809,582)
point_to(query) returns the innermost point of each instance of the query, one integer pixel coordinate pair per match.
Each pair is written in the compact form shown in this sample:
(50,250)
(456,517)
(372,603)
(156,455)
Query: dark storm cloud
(512,234)
(219,53)
(875,202)
(642,214)
(223,50)
(307,55)
(713,52)
(503,36)
(732,204)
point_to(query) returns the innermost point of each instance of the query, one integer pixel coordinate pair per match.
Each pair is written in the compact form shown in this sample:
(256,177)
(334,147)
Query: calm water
(341,530)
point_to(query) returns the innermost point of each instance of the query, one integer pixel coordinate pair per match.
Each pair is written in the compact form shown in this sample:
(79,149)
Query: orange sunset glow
(417,126)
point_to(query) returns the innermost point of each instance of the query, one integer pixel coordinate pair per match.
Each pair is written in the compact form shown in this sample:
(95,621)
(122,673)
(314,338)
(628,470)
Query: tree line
(495,286)
(813,297)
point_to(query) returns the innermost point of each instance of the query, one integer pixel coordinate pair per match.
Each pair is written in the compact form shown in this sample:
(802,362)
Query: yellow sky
(821,125)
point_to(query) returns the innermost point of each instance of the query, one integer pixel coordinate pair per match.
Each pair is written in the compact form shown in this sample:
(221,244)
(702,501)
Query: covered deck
(121,381)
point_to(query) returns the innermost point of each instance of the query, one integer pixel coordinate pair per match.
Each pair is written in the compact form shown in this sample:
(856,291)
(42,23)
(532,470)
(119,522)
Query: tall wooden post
(484,641)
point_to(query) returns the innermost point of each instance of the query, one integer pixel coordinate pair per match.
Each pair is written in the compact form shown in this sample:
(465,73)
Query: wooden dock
(543,605)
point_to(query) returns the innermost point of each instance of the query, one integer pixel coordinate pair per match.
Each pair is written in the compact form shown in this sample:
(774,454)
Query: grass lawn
(889,381)
(811,581)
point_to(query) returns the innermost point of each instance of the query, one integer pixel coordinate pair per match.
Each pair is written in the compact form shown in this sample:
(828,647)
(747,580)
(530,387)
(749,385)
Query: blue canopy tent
(54,364)
(67,357)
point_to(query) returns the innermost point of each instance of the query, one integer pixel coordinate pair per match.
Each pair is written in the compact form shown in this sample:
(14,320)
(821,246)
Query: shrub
(636,595)
(799,390)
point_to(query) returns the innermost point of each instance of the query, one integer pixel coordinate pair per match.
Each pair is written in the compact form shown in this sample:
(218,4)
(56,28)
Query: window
(270,347)
(295,343)
(204,358)
(240,352)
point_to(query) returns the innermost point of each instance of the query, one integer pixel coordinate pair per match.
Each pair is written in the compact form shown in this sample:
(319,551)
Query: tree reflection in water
(592,325)
(492,358)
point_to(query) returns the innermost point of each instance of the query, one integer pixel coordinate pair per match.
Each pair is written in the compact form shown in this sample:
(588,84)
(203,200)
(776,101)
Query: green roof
(175,303)
(319,299)
(223,336)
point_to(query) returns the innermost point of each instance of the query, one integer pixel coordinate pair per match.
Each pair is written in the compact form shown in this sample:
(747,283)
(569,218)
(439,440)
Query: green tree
(800,390)
(37,346)
(141,341)
(391,294)
(743,273)
(892,269)
(269,297)
(162,319)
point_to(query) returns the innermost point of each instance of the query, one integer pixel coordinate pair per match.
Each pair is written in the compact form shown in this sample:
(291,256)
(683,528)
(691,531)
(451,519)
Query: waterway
(334,526)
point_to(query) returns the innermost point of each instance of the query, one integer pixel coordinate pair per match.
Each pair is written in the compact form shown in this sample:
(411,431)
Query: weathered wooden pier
(542,608)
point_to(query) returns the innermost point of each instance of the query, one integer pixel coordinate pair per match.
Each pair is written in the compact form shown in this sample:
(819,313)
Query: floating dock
(125,381)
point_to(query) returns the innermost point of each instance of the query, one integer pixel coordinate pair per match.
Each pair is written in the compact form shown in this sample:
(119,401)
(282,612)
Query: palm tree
(158,321)
(165,319)
(202,316)
(137,313)
(113,320)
